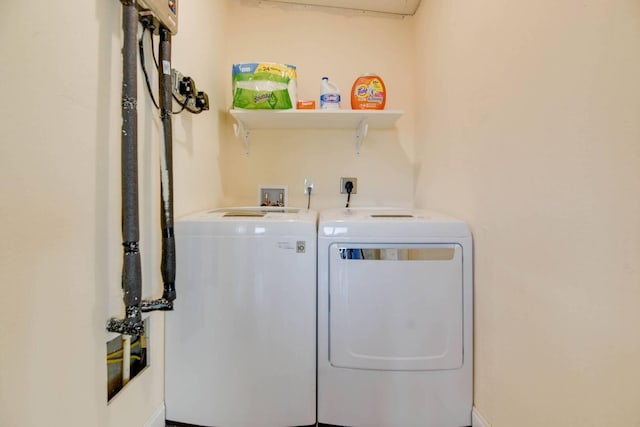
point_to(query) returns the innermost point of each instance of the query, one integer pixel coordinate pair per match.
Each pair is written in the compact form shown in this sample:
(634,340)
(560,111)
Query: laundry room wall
(527,127)
(341,45)
(60,256)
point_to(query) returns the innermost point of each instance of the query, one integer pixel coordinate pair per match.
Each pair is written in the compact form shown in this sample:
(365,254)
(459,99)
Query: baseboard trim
(157,419)
(477,420)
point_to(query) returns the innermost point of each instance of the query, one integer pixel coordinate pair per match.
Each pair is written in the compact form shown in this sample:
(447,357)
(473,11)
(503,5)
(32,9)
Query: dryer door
(395,306)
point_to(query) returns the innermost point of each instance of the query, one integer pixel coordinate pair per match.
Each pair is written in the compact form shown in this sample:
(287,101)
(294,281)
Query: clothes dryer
(241,341)
(395,314)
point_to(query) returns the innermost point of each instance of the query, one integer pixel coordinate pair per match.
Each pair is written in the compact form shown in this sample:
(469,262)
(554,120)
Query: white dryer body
(395,309)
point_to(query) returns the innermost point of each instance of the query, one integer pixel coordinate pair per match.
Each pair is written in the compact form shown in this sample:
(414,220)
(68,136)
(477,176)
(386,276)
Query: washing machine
(395,315)
(240,344)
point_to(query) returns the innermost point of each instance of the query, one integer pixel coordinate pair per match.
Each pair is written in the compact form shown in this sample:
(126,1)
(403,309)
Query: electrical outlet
(344,180)
(309,184)
(185,92)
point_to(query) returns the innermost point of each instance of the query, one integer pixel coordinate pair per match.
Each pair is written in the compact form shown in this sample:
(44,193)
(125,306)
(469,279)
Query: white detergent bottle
(329,95)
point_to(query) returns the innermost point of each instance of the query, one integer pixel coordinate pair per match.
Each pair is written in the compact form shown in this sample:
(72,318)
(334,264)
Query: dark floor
(174,424)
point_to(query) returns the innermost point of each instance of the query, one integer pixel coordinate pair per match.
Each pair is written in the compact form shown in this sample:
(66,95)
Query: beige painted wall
(526,126)
(530,132)
(60,257)
(341,46)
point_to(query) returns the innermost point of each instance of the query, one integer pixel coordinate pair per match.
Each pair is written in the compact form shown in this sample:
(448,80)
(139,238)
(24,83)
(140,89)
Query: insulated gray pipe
(131,269)
(168,262)
(168,266)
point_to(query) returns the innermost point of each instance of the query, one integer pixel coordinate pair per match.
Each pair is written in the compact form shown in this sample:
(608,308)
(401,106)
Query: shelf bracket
(241,131)
(361,134)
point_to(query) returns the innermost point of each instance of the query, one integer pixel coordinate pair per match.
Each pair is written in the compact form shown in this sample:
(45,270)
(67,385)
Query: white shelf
(316,119)
(360,120)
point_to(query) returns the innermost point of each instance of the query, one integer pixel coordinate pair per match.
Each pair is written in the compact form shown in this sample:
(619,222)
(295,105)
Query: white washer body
(395,315)
(241,341)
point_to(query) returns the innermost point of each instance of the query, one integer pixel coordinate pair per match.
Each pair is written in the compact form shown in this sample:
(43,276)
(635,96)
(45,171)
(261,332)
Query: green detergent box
(264,86)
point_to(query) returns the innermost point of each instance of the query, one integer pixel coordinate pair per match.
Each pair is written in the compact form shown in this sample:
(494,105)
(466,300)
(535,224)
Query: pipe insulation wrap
(168,265)
(131,274)
(132,324)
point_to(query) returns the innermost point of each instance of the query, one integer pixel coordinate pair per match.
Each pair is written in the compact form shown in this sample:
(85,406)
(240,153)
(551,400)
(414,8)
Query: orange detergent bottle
(368,93)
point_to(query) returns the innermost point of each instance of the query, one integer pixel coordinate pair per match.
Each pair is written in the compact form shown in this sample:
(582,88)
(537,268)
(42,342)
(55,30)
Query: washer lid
(249,221)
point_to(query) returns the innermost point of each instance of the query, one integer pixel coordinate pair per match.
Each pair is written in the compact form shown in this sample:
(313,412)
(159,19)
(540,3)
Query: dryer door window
(395,306)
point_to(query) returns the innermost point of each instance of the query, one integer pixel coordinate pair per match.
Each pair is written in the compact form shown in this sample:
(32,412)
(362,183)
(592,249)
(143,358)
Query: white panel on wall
(400,7)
